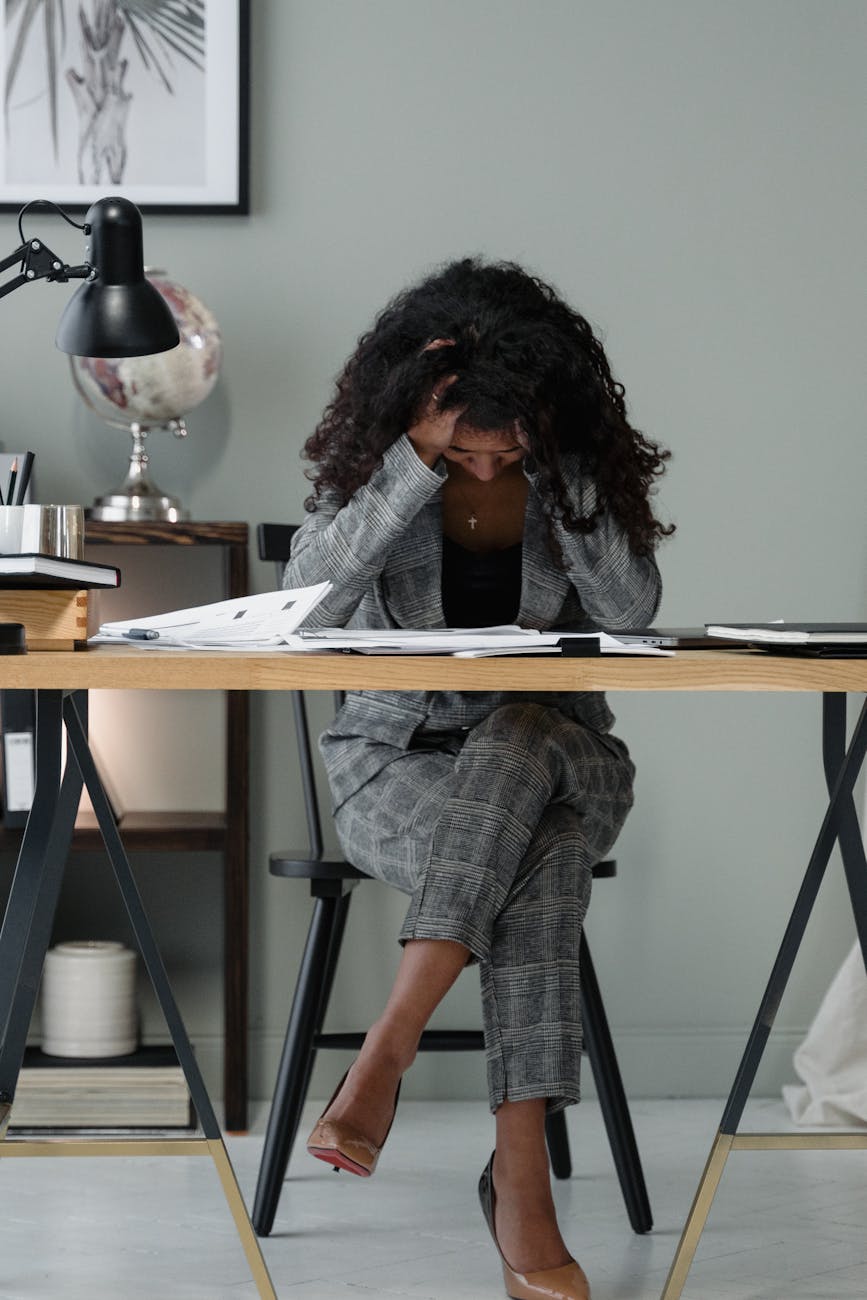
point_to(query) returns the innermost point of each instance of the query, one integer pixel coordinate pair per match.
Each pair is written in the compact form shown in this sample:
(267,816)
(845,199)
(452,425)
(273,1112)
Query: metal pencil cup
(53,530)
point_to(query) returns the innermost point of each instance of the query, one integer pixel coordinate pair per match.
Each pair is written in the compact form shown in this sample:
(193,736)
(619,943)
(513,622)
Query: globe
(151,391)
(140,394)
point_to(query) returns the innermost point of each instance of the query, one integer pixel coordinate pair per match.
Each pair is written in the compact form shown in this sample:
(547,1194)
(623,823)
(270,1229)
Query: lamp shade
(117,313)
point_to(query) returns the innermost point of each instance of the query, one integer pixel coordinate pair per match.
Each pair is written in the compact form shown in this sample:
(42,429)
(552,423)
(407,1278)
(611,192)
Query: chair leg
(612,1097)
(334,947)
(329,915)
(557,1138)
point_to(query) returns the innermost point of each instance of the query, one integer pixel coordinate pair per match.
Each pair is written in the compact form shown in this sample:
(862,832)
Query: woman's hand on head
(433,429)
(521,436)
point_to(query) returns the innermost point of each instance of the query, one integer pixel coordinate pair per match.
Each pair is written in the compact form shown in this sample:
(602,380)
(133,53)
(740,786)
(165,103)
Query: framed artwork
(143,98)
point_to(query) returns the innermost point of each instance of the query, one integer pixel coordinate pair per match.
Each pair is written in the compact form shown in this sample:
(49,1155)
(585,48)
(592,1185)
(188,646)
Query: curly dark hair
(520,353)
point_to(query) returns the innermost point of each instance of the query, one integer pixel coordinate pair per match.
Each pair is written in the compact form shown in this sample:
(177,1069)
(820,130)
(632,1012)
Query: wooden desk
(58,677)
(118,667)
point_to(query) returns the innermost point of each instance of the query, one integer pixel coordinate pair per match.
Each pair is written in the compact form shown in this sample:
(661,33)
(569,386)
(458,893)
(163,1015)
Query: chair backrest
(274,542)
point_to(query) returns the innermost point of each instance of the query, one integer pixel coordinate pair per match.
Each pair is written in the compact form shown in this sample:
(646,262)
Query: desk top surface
(122,667)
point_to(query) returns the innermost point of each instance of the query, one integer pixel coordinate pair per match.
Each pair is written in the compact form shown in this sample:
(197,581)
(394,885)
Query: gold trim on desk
(130,667)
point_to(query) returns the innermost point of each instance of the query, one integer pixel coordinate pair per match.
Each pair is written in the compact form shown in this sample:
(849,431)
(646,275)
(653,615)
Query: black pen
(141,634)
(24,478)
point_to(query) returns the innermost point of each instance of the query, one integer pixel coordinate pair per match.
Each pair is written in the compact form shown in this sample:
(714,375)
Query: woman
(476,467)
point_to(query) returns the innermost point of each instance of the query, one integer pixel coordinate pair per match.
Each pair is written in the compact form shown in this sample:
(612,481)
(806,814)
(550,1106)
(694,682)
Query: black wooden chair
(331,885)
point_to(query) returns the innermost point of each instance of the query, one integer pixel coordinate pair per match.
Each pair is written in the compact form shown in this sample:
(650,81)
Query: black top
(480,588)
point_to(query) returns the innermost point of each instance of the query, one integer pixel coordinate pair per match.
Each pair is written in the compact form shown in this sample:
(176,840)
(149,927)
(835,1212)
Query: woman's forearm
(617,588)
(350,545)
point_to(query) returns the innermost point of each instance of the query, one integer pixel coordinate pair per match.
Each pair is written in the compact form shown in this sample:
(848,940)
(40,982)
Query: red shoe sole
(338,1160)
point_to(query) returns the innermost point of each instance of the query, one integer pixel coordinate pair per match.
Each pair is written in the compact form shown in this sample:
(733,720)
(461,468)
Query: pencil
(13,474)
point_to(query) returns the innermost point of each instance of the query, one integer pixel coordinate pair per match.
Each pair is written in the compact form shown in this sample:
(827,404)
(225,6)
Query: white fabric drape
(832,1059)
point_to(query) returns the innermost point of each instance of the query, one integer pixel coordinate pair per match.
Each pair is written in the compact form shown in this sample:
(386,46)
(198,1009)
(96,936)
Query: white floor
(784,1226)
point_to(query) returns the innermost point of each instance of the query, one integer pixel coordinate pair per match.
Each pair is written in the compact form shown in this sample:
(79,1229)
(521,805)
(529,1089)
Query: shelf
(155,832)
(183,533)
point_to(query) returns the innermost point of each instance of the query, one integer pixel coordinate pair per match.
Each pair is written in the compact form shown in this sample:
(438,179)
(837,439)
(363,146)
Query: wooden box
(53,618)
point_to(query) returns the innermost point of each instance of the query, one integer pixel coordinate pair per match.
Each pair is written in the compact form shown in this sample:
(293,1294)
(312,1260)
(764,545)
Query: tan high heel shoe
(342,1146)
(569,1282)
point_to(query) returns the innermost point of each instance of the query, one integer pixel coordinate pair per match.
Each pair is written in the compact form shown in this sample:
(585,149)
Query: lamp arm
(39,263)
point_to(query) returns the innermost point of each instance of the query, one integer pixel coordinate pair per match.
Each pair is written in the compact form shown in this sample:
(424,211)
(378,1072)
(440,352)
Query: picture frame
(108,97)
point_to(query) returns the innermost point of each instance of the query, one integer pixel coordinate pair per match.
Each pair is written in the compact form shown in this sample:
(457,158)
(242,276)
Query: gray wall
(691,175)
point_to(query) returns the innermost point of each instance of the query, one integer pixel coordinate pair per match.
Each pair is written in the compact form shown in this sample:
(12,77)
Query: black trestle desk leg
(32,904)
(842,767)
(840,794)
(25,937)
(212,1141)
(848,829)
(141,926)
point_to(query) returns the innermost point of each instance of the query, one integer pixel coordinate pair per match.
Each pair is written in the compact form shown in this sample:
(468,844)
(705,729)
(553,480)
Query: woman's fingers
(434,430)
(438,343)
(440,388)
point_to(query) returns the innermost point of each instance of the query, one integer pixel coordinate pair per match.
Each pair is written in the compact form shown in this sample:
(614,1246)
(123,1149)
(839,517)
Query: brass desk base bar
(199,1146)
(5,1112)
(724,1143)
(799,1142)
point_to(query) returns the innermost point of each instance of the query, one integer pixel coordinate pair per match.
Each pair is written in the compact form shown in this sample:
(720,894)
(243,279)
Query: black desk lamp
(116,313)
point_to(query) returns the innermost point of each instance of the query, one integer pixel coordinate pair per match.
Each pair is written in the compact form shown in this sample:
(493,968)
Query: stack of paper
(463,642)
(273,622)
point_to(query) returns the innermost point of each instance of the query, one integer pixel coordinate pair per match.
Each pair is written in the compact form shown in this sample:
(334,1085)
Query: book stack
(145,1090)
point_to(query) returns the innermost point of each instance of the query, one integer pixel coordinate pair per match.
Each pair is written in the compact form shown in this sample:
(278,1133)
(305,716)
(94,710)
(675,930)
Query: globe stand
(138,498)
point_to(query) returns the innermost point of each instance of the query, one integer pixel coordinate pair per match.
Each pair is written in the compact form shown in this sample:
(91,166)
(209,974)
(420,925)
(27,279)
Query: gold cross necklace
(471,519)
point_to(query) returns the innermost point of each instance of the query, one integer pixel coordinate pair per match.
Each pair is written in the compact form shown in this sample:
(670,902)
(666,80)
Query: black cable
(49,203)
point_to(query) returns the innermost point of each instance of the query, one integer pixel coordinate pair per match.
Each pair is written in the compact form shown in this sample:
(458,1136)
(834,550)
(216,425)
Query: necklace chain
(472,520)
(470,516)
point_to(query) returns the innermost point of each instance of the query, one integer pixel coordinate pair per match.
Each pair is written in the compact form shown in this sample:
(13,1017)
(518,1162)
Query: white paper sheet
(244,623)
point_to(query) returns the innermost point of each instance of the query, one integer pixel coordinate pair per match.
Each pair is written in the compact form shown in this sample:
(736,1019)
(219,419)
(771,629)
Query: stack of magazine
(145,1090)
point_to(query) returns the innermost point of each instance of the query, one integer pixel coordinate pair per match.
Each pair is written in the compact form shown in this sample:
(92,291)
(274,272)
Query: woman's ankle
(513,1172)
(389,1049)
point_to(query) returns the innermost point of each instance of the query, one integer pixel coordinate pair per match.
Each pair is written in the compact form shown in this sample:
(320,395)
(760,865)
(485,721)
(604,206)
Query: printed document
(245,623)
(273,621)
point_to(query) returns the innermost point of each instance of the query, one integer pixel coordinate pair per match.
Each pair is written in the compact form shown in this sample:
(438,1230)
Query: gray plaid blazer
(383,553)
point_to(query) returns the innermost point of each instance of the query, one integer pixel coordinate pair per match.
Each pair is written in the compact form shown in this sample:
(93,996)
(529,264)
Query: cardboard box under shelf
(53,618)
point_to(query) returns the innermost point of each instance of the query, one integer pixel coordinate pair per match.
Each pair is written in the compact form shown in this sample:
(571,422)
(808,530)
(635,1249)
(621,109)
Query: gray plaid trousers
(494,834)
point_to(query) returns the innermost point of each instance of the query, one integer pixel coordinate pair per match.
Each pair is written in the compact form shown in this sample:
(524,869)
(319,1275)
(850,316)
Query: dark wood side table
(226,832)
